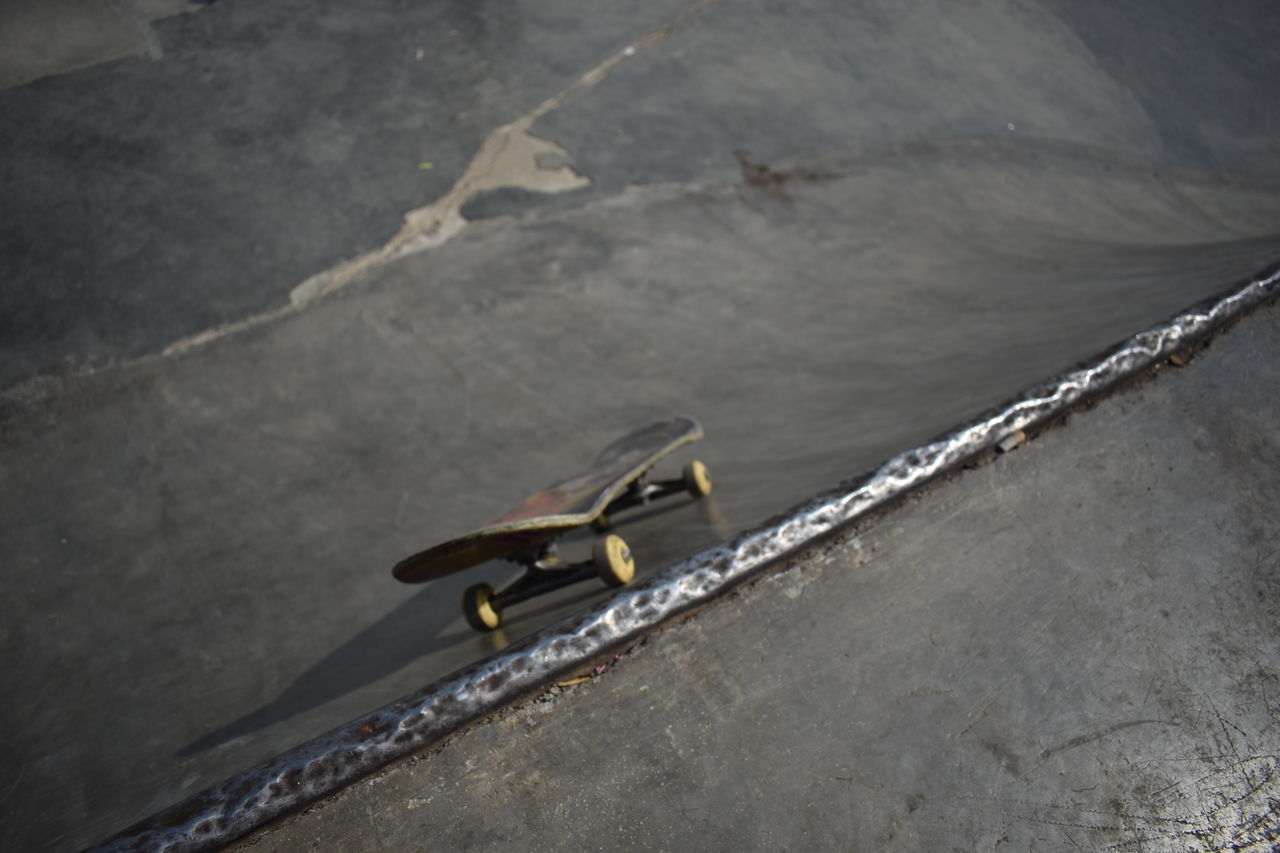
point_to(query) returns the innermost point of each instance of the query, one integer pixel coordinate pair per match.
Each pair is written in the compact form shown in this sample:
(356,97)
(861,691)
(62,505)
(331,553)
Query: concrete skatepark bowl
(294,290)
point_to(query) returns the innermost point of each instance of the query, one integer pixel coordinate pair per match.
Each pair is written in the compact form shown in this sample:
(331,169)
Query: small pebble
(1017,438)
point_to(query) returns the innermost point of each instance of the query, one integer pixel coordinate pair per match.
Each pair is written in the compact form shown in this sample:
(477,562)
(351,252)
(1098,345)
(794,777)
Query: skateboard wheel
(697,479)
(602,523)
(477,607)
(613,560)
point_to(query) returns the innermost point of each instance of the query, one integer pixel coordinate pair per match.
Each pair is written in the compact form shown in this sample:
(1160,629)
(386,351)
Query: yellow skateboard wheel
(697,479)
(613,560)
(477,607)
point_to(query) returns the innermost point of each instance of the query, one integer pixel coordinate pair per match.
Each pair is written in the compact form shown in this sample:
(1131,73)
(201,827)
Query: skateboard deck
(570,503)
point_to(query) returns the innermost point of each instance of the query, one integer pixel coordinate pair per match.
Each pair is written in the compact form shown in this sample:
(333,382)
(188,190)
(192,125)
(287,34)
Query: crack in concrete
(510,156)
(507,158)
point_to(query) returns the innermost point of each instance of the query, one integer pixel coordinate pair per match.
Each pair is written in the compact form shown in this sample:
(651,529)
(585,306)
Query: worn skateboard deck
(551,512)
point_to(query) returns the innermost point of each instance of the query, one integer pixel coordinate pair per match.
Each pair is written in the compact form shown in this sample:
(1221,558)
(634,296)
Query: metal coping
(291,781)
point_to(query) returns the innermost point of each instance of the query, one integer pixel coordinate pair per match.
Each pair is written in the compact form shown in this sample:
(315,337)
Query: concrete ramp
(1072,646)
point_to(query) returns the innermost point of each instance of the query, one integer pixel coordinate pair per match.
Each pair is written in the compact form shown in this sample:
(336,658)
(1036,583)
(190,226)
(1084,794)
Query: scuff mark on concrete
(510,156)
(1101,734)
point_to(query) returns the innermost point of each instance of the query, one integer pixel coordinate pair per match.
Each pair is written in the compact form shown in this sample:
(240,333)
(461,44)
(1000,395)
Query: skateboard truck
(694,479)
(544,572)
(611,559)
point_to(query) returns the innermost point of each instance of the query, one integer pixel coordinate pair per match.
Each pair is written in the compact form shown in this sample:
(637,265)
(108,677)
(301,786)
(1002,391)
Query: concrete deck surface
(1075,647)
(295,289)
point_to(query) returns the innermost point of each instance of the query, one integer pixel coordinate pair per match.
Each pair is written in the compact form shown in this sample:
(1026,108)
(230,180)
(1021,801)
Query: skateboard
(617,480)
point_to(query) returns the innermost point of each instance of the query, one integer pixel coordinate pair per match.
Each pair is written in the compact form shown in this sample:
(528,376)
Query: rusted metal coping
(318,769)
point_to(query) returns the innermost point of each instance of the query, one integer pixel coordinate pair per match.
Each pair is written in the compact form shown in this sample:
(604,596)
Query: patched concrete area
(42,38)
(1073,647)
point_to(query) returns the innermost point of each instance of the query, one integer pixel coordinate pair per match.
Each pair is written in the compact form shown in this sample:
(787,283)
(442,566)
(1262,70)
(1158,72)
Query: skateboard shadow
(393,642)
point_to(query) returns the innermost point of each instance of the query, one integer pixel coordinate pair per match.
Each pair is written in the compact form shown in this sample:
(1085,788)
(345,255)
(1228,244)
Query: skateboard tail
(462,554)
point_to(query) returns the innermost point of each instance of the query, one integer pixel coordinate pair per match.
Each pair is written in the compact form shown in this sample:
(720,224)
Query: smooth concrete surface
(828,231)
(43,38)
(1075,647)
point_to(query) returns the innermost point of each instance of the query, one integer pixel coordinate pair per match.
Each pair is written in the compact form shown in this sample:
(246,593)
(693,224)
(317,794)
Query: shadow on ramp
(395,641)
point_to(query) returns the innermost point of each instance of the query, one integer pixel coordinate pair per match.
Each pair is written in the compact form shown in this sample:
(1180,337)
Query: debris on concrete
(1013,440)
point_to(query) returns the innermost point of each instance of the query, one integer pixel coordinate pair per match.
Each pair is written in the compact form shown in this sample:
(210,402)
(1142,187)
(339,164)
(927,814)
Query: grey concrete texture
(200,539)
(150,199)
(1075,646)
